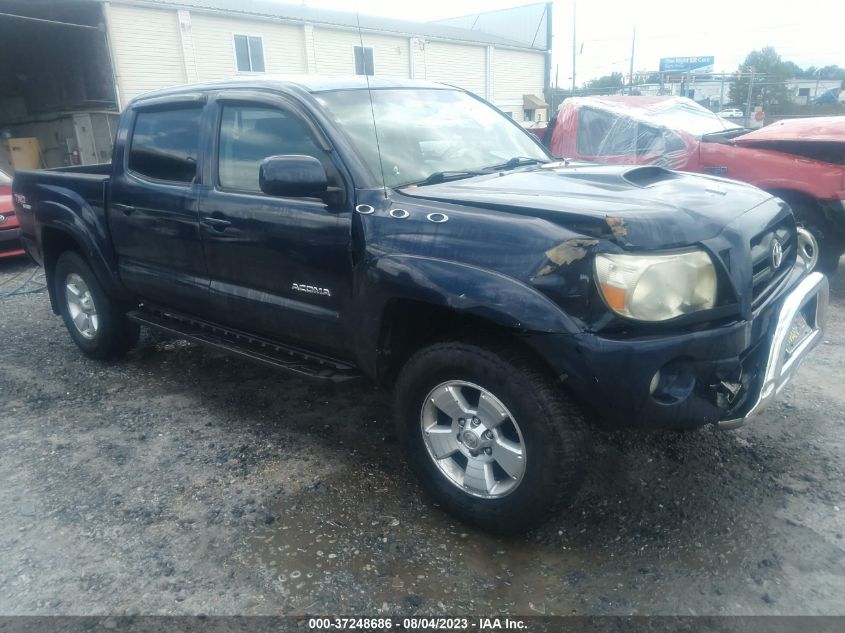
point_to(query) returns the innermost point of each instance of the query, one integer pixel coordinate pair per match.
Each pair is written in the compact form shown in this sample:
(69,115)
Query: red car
(801,160)
(10,232)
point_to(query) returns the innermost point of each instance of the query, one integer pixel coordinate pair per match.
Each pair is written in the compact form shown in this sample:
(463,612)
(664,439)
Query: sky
(807,32)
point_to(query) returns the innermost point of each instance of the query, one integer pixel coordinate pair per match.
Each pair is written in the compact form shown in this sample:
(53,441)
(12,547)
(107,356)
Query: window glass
(422,132)
(249,53)
(249,134)
(364,61)
(4,179)
(165,144)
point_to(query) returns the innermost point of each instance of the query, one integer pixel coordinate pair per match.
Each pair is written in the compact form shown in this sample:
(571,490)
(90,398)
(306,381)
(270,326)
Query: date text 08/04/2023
(417,623)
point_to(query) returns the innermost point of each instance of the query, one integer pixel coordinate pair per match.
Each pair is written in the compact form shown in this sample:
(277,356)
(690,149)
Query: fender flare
(462,288)
(68,213)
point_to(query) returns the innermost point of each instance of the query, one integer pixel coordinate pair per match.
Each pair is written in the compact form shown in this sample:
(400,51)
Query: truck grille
(766,276)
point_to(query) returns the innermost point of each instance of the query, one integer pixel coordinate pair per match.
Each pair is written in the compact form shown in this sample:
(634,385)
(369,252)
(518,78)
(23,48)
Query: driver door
(265,253)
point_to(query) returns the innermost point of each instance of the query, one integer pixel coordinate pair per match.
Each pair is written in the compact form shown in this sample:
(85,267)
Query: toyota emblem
(777,254)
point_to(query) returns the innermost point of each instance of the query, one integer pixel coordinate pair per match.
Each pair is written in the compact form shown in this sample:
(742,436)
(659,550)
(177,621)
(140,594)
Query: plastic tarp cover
(661,131)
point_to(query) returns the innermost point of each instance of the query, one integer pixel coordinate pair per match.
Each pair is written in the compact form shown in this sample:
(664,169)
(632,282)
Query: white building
(715,92)
(72,65)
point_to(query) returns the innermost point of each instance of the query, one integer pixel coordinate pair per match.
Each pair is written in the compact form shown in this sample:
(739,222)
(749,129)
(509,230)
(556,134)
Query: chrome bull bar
(805,305)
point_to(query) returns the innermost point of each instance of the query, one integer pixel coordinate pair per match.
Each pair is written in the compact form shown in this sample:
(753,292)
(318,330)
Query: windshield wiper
(444,176)
(519,161)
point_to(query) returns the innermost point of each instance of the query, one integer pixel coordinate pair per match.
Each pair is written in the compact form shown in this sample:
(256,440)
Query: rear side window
(165,144)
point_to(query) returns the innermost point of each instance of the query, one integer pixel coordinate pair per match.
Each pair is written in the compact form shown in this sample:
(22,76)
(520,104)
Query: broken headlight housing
(656,287)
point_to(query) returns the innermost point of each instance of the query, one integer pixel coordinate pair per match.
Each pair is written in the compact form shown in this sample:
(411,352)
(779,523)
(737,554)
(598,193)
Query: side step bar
(247,346)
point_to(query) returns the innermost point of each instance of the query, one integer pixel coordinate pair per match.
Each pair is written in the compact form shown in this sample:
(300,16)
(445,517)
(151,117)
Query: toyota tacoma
(411,234)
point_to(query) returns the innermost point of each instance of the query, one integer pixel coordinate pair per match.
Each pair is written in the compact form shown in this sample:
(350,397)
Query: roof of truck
(308,83)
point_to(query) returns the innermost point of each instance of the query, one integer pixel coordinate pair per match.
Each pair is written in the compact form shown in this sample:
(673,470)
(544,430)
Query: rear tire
(528,416)
(96,323)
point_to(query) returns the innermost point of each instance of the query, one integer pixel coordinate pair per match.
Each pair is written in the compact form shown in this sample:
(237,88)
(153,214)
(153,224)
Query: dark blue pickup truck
(412,234)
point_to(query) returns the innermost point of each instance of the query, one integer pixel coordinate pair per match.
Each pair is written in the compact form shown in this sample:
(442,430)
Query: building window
(803,92)
(529,115)
(364,60)
(249,54)
(165,144)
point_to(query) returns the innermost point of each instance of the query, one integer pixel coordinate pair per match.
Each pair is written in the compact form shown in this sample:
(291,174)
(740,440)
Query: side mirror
(292,176)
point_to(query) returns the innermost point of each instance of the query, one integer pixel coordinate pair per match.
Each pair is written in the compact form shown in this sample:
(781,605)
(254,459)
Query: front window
(251,133)
(427,131)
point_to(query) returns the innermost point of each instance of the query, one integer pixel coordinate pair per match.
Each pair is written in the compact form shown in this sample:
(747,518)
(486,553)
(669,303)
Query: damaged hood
(639,207)
(820,129)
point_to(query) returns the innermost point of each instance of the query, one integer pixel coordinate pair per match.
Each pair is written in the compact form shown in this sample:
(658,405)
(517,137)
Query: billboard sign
(678,65)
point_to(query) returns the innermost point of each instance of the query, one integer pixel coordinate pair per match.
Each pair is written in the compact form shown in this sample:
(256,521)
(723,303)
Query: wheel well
(799,199)
(54,242)
(408,326)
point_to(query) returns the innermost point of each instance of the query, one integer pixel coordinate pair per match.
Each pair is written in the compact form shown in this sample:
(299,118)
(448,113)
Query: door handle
(216,222)
(124,208)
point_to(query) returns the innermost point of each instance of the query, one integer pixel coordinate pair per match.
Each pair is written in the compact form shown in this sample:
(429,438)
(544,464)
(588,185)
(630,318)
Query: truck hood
(637,207)
(821,139)
(820,129)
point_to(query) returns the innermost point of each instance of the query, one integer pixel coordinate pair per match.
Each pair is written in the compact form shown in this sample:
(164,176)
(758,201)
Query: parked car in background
(731,113)
(10,232)
(801,161)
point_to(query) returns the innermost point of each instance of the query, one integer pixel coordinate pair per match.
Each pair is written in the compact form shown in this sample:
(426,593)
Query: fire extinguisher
(75,158)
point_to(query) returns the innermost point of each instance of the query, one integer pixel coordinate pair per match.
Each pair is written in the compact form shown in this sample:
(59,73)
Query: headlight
(656,287)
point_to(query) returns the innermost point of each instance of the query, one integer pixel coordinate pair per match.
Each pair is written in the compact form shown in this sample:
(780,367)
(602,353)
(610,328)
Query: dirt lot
(182,481)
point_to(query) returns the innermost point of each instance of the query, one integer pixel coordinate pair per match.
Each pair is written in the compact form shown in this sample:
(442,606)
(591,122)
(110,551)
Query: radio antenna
(370,93)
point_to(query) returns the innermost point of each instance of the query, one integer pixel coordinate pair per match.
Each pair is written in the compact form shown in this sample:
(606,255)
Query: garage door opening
(58,102)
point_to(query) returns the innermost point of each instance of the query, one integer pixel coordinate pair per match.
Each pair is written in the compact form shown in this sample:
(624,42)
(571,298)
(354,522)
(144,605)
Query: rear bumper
(724,375)
(10,242)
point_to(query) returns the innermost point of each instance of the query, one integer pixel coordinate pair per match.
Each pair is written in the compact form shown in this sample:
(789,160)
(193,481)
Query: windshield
(427,131)
(687,116)
(4,179)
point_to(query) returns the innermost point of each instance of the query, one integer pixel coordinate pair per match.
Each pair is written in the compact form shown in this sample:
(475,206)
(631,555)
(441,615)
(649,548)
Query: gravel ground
(181,481)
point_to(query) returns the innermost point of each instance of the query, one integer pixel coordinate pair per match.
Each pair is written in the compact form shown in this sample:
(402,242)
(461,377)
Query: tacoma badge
(312,290)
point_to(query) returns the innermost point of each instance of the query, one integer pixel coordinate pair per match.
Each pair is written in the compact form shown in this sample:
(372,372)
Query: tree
(608,83)
(770,75)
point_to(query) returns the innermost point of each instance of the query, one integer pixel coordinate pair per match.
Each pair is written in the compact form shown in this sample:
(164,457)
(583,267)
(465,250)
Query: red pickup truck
(801,161)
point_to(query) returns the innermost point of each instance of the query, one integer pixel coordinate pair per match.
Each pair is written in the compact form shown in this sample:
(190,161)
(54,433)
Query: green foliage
(770,73)
(608,83)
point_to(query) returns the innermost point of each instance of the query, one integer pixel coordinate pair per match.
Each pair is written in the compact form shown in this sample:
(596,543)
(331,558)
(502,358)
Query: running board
(245,345)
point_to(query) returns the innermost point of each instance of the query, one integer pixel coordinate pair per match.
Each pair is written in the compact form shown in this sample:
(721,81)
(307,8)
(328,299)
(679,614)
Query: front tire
(95,322)
(492,438)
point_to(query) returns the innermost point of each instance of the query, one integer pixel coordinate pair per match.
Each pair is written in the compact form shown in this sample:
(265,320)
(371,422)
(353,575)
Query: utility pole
(574,47)
(818,79)
(750,92)
(633,45)
(722,92)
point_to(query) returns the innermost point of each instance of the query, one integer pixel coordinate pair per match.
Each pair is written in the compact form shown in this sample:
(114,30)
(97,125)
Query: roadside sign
(701,64)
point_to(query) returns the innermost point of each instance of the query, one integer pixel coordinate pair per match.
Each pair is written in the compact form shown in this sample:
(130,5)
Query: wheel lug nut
(488,450)
(461,422)
(475,422)
(488,434)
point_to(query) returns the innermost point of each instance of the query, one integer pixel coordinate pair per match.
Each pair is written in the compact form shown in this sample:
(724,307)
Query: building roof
(311,15)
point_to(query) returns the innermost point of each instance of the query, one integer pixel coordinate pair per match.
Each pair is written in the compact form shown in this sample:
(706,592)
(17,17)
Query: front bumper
(723,375)
(10,242)
(808,302)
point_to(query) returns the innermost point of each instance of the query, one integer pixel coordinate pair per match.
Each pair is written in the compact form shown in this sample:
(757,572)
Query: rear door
(153,207)
(278,266)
